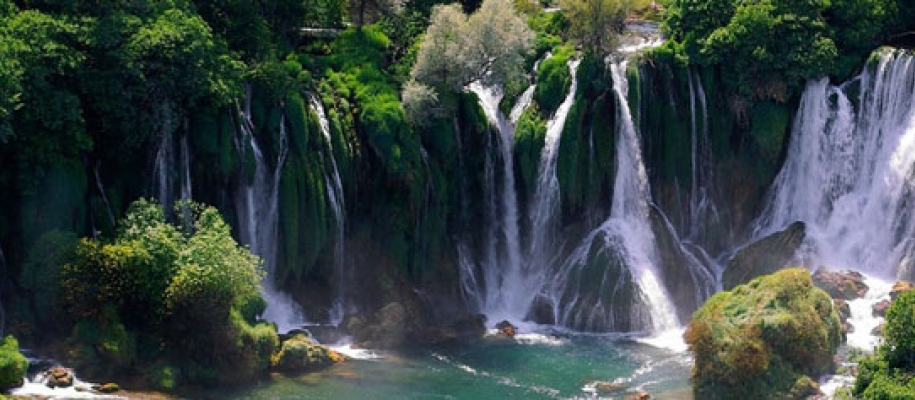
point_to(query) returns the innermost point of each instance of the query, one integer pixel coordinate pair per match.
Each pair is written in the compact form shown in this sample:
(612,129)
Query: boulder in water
(640,395)
(764,339)
(58,377)
(764,256)
(845,285)
(880,308)
(109,387)
(607,387)
(12,364)
(506,329)
(298,353)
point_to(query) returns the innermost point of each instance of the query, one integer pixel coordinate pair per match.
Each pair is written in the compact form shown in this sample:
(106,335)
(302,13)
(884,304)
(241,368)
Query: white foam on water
(862,319)
(671,339)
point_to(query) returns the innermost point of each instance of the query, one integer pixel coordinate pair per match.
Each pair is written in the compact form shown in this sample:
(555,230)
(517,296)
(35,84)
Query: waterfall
(505,282)
(338,207)
(169,184)
(257,206)
(700,203)
(101,190)
(586,294)
(850,170)
(545,203)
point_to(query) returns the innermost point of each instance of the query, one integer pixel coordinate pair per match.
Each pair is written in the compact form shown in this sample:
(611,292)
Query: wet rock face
(764,256)
(845,285)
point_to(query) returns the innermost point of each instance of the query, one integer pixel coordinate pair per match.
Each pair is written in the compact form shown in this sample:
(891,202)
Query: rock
(14,364)
(880,308)
(764,256)
(900,287)
(59,377)
(640,395)
(470,327)
(299,353)
(675,265)
(759,339)
(842,308)
(506,329)
(845,285)
(805,387)
(878,330)
(606,387)
(107,388)
(541,311)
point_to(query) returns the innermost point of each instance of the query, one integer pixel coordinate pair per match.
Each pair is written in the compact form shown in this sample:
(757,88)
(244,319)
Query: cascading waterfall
(850,171)
(257,205)
(338,207)
(503,259)
(545,203)
(850,176)
(625,242)
(701,206)
(166,178)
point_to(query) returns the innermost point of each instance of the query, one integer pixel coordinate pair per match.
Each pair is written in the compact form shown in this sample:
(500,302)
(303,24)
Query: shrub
(900,332)
(12,363)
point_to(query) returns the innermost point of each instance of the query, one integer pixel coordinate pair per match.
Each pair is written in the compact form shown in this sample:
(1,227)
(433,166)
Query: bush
(888,373)
(900,332)
(12,364)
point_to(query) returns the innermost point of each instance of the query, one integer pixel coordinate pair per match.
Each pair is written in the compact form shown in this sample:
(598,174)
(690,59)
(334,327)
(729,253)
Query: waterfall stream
(850,171)
(545,203)
(257,205)
(503,259)
(338,207)
(611,281)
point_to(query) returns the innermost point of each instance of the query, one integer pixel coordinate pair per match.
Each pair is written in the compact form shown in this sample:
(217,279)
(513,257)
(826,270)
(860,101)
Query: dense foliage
(772,46)
(12,363)
(190,287)
(767,338)
(888,373)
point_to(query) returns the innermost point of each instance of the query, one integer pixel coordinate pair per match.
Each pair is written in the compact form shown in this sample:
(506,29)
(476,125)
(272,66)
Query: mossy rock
(299,353)
(766,339)
(12,364)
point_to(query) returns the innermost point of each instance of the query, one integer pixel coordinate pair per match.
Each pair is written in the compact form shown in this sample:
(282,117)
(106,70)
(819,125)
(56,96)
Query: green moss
(765,338)
(12,364)
(769,127)
(530,133)
(553,80)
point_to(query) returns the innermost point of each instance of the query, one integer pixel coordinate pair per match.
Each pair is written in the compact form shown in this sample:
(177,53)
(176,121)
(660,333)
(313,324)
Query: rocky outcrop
(767,339)
(845,285)
(298,353)
(397,325)
(899,288)
(764,256)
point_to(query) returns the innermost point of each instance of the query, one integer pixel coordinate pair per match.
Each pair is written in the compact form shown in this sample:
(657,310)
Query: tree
(488,47)
(595,24)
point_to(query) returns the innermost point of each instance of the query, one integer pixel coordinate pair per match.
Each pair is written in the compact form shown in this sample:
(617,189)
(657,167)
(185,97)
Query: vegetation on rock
(12,363)
(767,338)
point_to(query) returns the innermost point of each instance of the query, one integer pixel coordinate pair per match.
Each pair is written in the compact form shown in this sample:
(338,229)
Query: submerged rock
(607,387)
(640,395)
(766,339)
(845,285)
(299,353)
(764,256)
